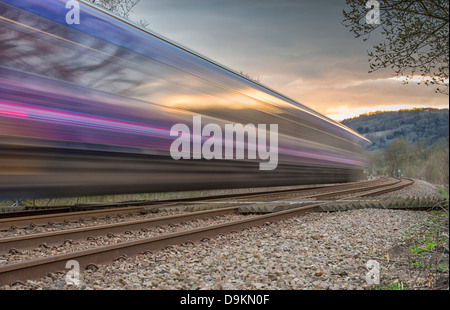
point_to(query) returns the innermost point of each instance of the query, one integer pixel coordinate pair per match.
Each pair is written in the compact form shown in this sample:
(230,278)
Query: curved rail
(45,219)
(107,254)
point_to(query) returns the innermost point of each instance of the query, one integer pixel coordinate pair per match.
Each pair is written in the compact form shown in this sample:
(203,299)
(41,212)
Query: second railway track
(39,267)
(125,209)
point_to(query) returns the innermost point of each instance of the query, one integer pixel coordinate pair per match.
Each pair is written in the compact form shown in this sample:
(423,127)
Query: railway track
(39,210)
(89,257)
(14,221)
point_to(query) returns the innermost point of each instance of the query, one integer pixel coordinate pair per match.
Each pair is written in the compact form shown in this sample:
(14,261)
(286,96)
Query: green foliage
(427,244)
(398,286)
(414,141)
(421,126)
(443,192)
(442,268)
(415,161)
(398,155)
(418,265)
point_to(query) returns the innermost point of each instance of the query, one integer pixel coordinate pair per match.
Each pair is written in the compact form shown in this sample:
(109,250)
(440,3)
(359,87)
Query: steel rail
(387,190)
(18,243)
(58,237)
(350,191)
(40,210)
(45,219)
(38,268)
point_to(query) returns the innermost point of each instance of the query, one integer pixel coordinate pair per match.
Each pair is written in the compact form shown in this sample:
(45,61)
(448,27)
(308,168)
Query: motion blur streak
(87,109)
(47,115)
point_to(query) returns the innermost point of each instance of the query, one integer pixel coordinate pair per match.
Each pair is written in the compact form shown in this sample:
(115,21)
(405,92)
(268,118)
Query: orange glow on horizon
(344,112)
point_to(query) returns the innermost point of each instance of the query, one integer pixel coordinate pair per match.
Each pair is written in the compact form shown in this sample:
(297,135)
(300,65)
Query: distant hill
(427,125)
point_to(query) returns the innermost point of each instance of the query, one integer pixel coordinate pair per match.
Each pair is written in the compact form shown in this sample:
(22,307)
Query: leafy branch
(412,36)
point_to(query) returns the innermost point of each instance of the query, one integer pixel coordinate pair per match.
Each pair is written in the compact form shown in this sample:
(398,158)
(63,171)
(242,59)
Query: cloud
(261,37)
(347,98)
(298,48)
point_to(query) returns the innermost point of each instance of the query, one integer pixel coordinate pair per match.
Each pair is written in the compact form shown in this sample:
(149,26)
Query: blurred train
(86,109)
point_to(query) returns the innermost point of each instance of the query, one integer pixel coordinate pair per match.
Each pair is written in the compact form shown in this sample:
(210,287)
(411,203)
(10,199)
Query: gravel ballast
(313,251)
(418,189)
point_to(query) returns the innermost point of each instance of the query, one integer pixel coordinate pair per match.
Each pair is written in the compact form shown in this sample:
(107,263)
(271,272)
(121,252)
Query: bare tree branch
(414,34)
(123,8)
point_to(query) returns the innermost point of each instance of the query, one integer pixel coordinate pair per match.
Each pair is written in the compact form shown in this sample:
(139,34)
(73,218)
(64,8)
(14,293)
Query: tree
(256,79)
(414,37)
(377,163)
(123,8)
(398,155)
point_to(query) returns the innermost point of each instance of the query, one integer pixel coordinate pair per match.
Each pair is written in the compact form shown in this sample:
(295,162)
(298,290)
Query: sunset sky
(296,47)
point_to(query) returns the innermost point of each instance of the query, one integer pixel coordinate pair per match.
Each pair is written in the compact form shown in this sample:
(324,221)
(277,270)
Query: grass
(421,256)
(426,243)
(442,268)
(443,192)
(430,268)
(398,286)
(417,265)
